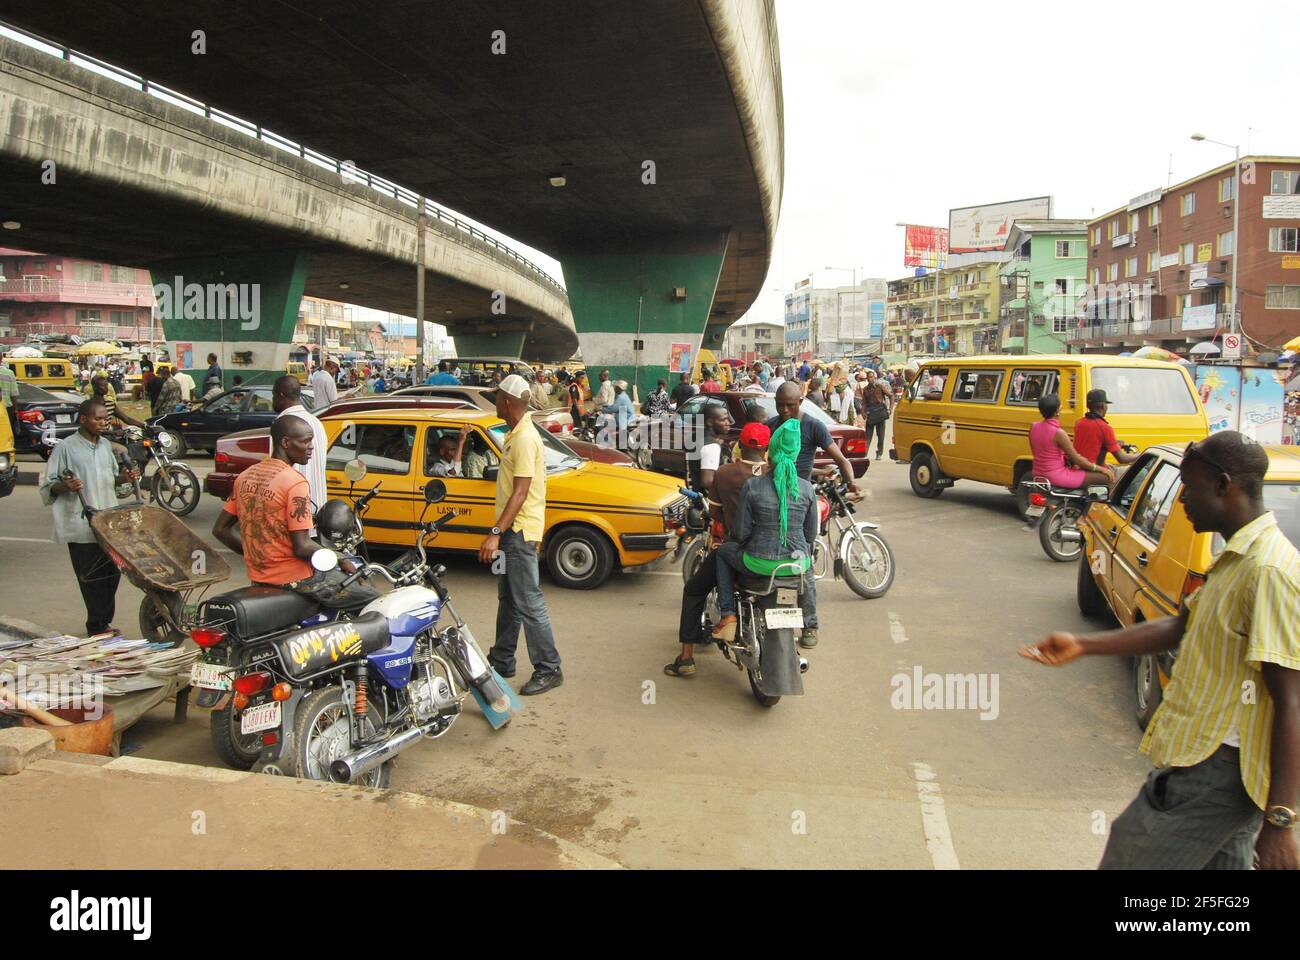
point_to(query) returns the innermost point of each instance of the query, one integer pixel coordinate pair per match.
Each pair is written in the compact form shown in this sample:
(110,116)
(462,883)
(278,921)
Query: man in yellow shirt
(520,521)
(1226,739)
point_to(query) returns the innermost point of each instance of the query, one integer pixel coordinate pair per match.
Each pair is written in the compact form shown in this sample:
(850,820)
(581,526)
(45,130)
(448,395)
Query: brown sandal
(726,629)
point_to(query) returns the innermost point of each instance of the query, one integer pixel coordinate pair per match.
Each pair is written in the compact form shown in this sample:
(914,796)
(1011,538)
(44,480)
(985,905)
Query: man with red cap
(725,489)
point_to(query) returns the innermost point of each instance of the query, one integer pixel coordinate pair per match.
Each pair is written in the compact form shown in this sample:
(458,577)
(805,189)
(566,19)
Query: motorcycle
(336,694)
(173,485)
(769,614)
(699,533)
(862,557)
(1057,511)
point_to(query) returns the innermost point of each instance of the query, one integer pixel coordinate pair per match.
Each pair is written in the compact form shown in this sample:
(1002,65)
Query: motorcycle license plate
(1032,512)
(210,676)
(63,418)
(784,618)
(265,716)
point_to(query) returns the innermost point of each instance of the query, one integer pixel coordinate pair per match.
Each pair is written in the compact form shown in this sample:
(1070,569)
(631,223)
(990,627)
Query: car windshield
(806,408)
(1144,390)
(35,394)
(558,456)
(1284,500)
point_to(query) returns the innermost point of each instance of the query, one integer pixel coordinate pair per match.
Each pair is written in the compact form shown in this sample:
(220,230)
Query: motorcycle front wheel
(693,558)
(1050,527)
(322,735)
(869,566)
(175,488)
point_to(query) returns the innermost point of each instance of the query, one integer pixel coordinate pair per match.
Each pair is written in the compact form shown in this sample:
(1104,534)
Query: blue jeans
(731,561)
(520,603)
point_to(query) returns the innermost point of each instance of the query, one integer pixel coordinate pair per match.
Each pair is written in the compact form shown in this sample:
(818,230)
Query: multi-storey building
(952,310)
(1160,268)
(1041,283)
(754,339)
(42,294)
(322,325)
(834,321)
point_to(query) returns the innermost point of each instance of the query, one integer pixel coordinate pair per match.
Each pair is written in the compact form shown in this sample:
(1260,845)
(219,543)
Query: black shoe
(541,682)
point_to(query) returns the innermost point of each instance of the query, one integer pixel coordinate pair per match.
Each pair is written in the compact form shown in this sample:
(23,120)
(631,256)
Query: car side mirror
(435,491)
(1099,494)
(490,473)
(355,471)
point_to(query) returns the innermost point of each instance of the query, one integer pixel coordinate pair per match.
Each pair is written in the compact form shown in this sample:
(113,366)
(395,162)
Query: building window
(1187,255)
(1284,240)
(1227,241)
(1060,324)
(1134,221)
(1184,303)
(1188,204)
(1114,229)
(122,318)
(1284,181)
(87,272)
(1131,267)
(1062,285)
(1095,276)
(1062,249)
(121,274)
(88,316)
(1279,296)
(1096,235)
(1153,215)
(1112,272)
(1227,188)
(1153,262)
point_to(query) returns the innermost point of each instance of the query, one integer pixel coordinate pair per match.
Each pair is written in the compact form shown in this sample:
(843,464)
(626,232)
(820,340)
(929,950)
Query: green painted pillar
(633,295)
(242,308)
(490,344)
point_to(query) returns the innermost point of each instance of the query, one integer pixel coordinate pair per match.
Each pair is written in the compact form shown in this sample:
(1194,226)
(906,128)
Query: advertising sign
(1199,275)
(1284,206)
(185,356)
(1169,260)
(972,229)
(877,319)
(1199,318)
(679,358)
(1204,252)
(1291,263)
(925,246)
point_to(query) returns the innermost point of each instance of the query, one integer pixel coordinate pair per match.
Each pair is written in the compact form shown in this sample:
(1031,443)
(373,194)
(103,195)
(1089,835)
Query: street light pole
(1236,221)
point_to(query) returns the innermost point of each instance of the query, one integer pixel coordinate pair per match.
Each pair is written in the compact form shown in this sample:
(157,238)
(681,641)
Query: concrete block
(20,746)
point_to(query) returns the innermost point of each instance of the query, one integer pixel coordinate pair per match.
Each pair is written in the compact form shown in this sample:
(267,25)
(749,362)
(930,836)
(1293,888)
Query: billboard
(975,229)
(925,246)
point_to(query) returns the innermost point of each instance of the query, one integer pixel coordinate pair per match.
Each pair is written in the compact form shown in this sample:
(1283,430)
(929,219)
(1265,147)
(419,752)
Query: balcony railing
(1165,327)
(50,288)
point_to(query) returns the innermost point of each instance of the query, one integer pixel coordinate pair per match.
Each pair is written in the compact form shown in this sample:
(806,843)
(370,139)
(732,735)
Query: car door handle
(1143,559)
(1114,532)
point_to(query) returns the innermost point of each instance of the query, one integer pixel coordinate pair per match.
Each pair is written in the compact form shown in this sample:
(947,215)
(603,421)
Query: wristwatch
(496,532)
(1280,816)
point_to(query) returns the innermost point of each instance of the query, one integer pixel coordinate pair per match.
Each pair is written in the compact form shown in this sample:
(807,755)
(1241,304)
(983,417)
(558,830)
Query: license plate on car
(63,418)
(784,618)
(262,717)
(1032,512)
(211,676)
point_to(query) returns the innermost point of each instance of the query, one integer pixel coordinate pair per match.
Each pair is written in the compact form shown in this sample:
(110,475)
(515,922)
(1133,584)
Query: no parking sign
(1232,346)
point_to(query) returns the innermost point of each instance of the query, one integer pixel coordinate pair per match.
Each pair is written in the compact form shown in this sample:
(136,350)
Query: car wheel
(179,446)
(1092,603)
(1022,493)
(1146,688)
(924,475)
(579,558)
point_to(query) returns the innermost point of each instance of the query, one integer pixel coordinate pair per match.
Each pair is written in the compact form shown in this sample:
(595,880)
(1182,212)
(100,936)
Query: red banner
(925,246)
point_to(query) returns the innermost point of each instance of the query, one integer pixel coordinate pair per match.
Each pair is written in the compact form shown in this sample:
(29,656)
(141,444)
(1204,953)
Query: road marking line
(896,629)
(25,540)
(934,819)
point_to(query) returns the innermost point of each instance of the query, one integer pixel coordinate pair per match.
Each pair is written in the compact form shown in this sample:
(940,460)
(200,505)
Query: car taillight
(251,683)
(855,446)
(31,416)
(221,459)
(207,636)
(1037,500)
(1191,583)
(554,427)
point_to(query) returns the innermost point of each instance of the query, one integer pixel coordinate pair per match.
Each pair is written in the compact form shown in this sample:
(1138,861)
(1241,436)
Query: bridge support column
(629,297)
(243,308)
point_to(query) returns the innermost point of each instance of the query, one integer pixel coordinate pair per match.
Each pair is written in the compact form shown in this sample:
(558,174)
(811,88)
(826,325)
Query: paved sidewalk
(72,811)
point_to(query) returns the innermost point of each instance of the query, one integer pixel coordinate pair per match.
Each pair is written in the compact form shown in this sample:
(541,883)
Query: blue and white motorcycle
(336,694)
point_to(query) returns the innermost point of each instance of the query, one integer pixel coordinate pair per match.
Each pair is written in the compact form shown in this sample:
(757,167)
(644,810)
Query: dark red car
(236,452)
(668,452)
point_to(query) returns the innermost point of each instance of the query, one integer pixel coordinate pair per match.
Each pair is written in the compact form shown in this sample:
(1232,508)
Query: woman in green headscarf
(776,524)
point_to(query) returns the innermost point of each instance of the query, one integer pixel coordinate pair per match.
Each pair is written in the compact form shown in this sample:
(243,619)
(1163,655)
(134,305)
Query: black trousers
(879,429)
(695,597)
(98,577)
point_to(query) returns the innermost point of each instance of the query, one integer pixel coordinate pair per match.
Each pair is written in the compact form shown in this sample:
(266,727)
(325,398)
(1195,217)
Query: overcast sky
(901,111)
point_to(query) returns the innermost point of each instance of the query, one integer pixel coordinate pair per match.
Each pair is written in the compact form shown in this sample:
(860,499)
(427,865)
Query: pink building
(51,294)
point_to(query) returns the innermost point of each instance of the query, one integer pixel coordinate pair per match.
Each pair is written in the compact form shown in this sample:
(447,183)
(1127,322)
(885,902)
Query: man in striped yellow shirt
(1226,739)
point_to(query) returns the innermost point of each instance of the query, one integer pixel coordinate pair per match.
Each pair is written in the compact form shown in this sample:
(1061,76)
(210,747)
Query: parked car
(598,517)
(482,371)
(551,419)
(1142,558)
(235,453)
(668,443)
(37,411)
(239,409)
(8,458)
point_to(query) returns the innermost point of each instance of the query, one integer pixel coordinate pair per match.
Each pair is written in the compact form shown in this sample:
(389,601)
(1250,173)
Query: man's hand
(464,432)
(488,551)
(129,475)
(347,566)
(1057,650)
(1276,849)
(69,484)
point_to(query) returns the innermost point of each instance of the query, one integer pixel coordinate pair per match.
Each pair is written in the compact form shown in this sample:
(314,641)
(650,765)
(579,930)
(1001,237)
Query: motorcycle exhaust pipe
(356,765)
(1071,536)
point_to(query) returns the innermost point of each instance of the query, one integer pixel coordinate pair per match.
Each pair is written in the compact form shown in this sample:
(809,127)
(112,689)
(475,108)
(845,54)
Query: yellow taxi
(49,372)
(297,369)
(8,456)
(1141,557)
(968,418)
(598,516)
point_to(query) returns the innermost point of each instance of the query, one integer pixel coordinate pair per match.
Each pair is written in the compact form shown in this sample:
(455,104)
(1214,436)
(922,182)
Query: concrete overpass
(480,106)
(140,182)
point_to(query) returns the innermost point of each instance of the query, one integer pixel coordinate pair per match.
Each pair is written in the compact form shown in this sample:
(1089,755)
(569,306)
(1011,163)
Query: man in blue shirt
(443,377)
(813,436)
(623,410)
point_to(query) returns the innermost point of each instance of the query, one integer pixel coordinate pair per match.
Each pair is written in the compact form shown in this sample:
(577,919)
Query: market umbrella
(24,352)
(98,348)
(1204,348)
(1292,345)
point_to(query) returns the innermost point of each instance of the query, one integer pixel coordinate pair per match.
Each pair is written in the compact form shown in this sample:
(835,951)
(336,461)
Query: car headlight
(4,461)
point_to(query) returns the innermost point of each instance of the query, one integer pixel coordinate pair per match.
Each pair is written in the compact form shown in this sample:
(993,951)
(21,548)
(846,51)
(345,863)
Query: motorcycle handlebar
(692,494)
(365,498)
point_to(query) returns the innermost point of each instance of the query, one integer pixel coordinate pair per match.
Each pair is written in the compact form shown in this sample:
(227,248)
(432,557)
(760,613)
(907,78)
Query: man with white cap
(515,536)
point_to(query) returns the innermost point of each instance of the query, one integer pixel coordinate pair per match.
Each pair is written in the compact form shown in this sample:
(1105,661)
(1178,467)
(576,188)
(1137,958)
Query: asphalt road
(662,772)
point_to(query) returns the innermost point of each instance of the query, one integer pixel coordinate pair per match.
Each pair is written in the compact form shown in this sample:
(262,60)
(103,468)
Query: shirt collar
(1243,539)
(527,418)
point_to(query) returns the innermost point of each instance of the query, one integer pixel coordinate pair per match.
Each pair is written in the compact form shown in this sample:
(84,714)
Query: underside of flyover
(664,120)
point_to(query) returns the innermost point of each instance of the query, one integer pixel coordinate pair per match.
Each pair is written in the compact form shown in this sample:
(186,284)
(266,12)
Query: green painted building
(1047,266)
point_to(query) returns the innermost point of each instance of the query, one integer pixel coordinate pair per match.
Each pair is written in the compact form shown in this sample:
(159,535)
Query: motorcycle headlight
(165,439)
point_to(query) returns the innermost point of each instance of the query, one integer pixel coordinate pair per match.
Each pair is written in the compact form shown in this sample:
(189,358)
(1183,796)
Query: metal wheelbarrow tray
(155,550)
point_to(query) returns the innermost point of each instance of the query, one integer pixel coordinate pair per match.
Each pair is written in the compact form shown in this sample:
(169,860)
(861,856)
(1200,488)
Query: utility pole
(419,294)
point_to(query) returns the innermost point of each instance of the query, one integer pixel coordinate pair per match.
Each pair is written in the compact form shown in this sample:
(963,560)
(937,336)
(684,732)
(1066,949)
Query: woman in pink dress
(1053,452)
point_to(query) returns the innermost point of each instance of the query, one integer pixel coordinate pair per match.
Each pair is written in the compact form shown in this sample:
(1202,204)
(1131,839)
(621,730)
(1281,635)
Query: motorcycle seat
(257,611)
(759,586)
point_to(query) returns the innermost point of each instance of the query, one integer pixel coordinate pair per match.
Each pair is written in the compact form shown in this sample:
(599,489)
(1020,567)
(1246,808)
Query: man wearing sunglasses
(1226,739)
